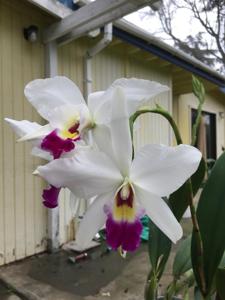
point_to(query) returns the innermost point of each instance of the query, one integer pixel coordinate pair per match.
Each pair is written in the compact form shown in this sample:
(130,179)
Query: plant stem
(196,124)
(158,110)
(151,288)
(197,237)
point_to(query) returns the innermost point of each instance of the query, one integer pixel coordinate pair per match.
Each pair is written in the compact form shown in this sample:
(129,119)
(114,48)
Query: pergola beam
(90,17)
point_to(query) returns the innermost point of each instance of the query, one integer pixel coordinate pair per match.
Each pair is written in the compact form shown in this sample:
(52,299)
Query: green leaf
(198,177)
(159,249)
(179,200)
(211,216)
(220,283)
(222,262)
(182,260)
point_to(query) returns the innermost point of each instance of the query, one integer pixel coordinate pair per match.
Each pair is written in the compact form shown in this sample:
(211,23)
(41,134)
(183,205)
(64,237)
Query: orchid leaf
(182,260)
(222,262)
(159,249)
(211,215)
(220,286)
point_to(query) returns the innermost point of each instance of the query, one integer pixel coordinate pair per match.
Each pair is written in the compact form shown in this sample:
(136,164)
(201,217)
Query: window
(206,141)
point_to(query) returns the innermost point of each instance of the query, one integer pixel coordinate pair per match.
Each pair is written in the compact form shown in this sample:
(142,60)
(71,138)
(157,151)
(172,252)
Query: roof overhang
(63,32)
(142,39)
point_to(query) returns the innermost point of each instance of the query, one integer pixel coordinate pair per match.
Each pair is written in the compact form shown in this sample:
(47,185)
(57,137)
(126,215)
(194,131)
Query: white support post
(53,214)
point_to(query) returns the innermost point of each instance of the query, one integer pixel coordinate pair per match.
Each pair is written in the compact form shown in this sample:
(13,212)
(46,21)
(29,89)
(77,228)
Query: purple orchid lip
(56,145)
(50,196)
(123,225)
(124,234)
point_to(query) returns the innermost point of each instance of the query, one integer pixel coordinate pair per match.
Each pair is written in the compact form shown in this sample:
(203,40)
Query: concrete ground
(101,276)
(6,293)
(53,277)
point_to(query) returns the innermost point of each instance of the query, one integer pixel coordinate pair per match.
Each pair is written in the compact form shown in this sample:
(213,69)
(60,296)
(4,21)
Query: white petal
(46,94)
(95,100)
(138,91)
(161,170)
(88,174)
(120,132)
(37,134)
(36,151)
(94,219)
(160,214)
(102,138)
(60,116)
(23,127)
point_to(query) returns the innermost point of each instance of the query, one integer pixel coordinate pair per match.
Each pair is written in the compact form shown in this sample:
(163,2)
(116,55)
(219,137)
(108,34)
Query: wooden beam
(54,8)
(90,17)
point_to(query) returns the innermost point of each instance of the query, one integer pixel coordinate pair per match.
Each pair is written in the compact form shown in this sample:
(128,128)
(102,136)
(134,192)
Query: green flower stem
(158,110)
(196,124)
(151,288)
(197,236)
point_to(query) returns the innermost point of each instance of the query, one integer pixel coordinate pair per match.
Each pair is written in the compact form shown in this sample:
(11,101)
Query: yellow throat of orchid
(123,207)
(70,130)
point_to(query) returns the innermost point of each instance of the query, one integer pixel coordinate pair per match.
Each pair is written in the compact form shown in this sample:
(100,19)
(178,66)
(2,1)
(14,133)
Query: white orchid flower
(125,188)
(59,101)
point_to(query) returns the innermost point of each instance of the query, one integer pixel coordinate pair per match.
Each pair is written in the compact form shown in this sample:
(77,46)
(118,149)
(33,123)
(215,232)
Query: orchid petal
(161,170)
(88,174)
(159,213)
(37,134)
(23,127)
(46,94)
(36,151)
(120,132)
(102,138)
(60,116)
(138,91)
(94,219)
(95,100)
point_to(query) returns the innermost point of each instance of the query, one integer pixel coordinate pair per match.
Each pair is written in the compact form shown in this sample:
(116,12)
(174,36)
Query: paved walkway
(7,294)
(101,276)
(53,277)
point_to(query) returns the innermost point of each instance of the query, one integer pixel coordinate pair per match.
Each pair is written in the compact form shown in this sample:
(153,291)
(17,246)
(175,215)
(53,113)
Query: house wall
(22,215)
(214,103)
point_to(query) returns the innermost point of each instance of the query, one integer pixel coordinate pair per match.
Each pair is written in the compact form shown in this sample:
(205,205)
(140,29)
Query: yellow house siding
(151,128)
(22,215)
(214,103)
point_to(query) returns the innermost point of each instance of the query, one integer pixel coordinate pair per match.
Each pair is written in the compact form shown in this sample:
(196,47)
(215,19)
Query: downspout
(51,70)
(90,53)
(103,43)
